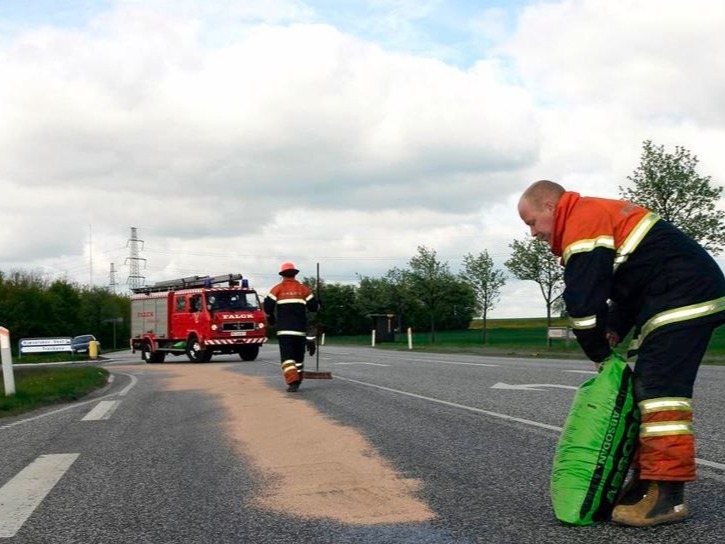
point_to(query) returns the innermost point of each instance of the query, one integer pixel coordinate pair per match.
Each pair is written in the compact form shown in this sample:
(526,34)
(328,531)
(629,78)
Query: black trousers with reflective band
(292,347)
(668,362)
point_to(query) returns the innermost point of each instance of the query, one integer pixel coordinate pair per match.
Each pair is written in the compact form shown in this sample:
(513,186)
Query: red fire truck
(197,317)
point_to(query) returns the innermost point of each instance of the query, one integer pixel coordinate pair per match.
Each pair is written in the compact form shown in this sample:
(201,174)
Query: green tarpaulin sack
(596,446)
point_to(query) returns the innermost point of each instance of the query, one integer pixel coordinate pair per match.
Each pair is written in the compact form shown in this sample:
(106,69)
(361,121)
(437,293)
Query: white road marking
(361,363)
(703,462)
(455,405)
(22,495)
(437,361)
(460,363)
(125,390)
(530,386)
(103,410)
(582,371)
(710,464)
(134,380)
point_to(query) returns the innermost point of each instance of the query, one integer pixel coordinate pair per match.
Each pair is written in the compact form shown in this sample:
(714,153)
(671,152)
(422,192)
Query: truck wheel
(195,353)
(151,357)
(146,353)
(249,353)
(157,357)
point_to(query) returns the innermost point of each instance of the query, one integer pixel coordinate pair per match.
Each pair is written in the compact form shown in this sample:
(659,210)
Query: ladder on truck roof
(191,282)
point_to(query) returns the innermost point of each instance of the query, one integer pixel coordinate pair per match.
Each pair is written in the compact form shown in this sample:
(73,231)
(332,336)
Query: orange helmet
(288,269)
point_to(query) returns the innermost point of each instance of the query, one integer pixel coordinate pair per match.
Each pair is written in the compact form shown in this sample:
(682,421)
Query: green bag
(596,446)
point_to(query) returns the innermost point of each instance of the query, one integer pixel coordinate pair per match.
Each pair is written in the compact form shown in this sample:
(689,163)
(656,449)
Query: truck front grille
(238,326)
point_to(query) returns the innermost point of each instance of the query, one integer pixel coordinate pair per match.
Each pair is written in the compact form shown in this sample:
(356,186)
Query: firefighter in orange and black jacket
(287,305)
(628,270)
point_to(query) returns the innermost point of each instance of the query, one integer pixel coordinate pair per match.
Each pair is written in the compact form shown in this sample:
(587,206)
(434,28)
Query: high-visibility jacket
(288,303)
(620,255)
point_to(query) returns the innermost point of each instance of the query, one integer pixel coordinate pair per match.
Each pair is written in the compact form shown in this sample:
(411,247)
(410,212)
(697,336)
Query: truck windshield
(232,300)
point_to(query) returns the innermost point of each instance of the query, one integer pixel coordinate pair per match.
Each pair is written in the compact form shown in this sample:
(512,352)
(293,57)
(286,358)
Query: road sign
(44,345)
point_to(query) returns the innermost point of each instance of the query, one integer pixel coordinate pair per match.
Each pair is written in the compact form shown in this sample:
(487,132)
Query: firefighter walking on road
(287,305)
(626,269)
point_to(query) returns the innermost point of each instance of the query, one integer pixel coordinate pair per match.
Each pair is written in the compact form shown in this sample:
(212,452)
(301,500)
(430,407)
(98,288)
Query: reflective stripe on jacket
(290,300)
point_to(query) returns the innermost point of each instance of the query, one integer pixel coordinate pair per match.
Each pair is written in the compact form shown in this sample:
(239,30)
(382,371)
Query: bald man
(626,270)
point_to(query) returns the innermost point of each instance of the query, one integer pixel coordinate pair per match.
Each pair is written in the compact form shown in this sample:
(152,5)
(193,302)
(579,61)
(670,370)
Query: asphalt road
(139,463)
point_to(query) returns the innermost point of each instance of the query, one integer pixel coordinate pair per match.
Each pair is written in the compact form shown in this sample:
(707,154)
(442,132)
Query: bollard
(373,337)
(93,349)
(410,338)
(7,362)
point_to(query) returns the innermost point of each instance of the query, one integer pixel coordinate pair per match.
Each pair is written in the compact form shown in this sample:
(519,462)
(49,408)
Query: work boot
(633,490)
(293,387)
(663,502)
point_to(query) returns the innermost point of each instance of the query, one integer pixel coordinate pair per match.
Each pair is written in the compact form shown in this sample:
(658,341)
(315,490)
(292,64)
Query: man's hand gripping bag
(596,446)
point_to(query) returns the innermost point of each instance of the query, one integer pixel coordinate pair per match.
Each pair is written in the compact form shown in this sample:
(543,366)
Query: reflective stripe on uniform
(289,366)
(634,238)
(666,439)
(583,323)
(680,404)
(291,333)
(665,428)
(677,315)
(291,301)
(676,411)
(584,246)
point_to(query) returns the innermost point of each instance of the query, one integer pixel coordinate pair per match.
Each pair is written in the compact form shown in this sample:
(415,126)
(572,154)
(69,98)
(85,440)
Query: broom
(317,375)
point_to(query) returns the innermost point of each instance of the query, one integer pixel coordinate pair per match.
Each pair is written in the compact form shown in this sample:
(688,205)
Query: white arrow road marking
(362,363)
(699,461)
(531,386)
(22,495)
(103,410)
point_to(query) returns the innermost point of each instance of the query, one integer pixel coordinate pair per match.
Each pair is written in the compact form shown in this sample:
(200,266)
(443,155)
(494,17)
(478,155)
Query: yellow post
(93,349)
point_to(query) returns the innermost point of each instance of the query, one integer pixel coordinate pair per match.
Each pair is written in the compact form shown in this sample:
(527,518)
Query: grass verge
(38,387)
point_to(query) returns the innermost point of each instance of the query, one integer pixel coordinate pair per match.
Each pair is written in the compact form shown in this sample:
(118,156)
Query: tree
(431,281)
(668,185)
(486,282)
(532,260)
(340,314)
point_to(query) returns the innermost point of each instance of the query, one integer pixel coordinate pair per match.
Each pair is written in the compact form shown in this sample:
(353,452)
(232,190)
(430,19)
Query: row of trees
(31,306)
(426,295)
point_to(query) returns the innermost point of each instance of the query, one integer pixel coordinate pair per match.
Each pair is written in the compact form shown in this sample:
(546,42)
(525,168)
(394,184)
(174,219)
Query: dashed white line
(103,410)
(134,380)
(22,495)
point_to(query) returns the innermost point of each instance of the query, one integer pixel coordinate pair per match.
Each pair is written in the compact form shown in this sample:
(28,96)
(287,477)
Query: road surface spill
(321,469)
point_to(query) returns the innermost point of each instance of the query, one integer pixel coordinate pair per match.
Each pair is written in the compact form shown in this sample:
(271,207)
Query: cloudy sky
(237,134)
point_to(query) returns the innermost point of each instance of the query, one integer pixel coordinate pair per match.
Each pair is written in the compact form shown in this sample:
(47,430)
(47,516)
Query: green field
(515,337)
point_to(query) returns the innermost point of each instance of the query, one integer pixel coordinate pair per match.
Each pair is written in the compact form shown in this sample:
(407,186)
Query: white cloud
(236,135)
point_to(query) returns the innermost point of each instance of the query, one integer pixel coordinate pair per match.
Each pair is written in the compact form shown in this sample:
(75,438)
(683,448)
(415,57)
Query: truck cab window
(180,304)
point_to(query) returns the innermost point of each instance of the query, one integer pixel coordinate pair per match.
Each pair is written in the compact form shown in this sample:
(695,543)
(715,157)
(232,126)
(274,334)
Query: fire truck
(198,317)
